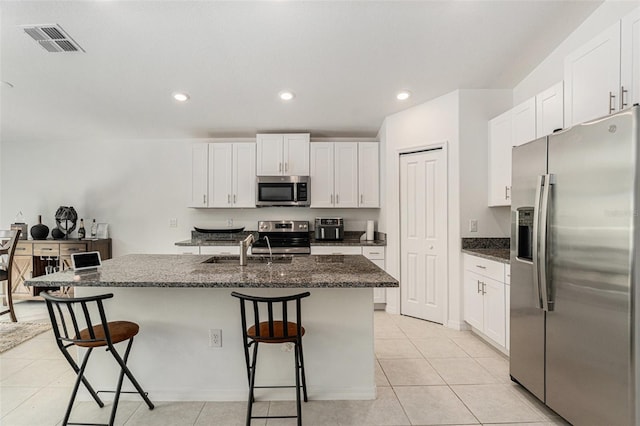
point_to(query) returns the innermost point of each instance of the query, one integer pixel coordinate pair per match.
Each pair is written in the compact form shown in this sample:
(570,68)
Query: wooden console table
(33,256)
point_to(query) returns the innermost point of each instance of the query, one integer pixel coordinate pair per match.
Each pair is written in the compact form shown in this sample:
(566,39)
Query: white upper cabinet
(592,78)
(550,110)
(223,175)
(345,174)
(523,124)
(500,145)
(630,60)
(369,174)
(282,154)
(199,176)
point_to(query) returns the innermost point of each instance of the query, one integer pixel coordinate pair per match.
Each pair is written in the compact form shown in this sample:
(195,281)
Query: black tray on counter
(219,230)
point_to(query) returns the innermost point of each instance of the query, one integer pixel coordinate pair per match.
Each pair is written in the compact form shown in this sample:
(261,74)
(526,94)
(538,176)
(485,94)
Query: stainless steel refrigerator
(574,270)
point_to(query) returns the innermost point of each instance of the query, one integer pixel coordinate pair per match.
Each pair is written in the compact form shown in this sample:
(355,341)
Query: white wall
(477,107)
(551,70)
(134,185)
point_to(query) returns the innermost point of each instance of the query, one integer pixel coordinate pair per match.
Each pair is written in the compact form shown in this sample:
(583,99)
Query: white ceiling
(344,60)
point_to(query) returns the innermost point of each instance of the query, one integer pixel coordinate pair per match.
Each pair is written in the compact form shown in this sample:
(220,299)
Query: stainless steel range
(284,236)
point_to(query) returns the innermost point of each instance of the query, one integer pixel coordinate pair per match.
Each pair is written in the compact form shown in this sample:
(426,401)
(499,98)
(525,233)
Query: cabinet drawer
(336,250)
(484,267)
(52,249)
(67,249)
(373,253)
(24,249)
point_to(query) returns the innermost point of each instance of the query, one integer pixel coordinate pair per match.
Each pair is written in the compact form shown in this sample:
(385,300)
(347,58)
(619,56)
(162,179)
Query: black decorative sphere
(57,234)
(39,231)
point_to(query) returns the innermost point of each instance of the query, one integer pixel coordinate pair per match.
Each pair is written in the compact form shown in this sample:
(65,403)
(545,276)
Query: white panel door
(244,175)
(296,154)
(550,110)
(423,234)
(500,146)
(199,177)
(321,174)
(269,155)
(592,78)
(523,122)
(220,174)
(345,174)
(630,61)
(369,174)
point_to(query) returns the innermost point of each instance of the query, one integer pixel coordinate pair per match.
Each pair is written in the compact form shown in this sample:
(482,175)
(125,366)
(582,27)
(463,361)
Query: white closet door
(423,233)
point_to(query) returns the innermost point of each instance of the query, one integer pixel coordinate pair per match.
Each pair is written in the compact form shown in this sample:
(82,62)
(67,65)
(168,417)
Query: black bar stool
(273,331)
(103,334)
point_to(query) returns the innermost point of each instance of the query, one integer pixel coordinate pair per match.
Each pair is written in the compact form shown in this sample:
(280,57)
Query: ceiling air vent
(52,38)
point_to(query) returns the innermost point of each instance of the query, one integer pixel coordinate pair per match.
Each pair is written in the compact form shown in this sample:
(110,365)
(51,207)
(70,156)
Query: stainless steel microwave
(283,191)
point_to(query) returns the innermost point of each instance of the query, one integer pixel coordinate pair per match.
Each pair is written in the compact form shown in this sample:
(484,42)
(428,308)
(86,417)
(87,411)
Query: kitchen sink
(231,260)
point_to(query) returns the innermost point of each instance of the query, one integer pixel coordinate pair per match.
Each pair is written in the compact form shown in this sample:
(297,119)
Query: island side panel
(172,359)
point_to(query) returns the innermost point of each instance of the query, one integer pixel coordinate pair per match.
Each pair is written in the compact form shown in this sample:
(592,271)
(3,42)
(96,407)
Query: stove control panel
(283,226)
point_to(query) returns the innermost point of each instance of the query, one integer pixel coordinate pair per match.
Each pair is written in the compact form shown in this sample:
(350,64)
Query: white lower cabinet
(486,298)
(374,254)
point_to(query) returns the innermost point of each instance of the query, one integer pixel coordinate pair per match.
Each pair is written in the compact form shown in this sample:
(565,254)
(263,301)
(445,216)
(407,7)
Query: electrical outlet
(173,223)
(473,225)
(215,338)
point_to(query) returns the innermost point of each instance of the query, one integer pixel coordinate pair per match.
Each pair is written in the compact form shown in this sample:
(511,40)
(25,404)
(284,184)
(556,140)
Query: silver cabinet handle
(361,198)
(484,288)
(279,167)
(337,198)
(228,198)
(622,92)
(481,267)
(478,286)
(374,252)
(612,101)
(204,198)
(506,192)
(331,198)
(234,198)
(286,166)
(21,248)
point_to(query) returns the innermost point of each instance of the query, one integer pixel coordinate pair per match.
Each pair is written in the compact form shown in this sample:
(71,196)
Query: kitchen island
(178,299)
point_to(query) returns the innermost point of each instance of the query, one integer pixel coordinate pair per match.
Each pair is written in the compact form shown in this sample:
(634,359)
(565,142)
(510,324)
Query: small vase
(57,234)
(39,231)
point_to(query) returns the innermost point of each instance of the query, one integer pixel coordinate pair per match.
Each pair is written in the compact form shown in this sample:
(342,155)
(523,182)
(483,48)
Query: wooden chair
(78,329)
(273,331)
(8,249)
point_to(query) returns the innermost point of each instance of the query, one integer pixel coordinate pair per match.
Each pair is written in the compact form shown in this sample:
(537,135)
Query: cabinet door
(630,61)
(494,310)
(199,178)
(523,122)
(220,174)
(346,174)
(369,174)
(379,294)
(321,174)
(296,154)
(221,250)
(550,110)
(473,300)
(244,175)
(269,155)
(592,78)
(507,316)
(500,160)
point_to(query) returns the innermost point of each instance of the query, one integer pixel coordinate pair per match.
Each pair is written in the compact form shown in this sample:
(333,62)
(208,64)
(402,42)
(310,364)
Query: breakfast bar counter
(178,299)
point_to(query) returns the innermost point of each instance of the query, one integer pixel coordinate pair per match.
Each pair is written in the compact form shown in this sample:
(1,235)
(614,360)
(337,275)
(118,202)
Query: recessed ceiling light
(286,95)
(403,96)
(181,97)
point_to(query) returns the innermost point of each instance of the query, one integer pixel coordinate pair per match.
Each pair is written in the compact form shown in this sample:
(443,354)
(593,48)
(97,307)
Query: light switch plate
(473,225)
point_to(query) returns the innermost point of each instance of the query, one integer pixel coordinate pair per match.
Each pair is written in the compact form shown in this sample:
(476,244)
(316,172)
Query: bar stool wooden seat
(8,248)
(68,316)
(273,331)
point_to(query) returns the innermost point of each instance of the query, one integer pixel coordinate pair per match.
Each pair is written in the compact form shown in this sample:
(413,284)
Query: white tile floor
(426,375)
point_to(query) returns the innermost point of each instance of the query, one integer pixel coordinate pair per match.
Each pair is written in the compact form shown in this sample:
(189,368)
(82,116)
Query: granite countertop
(165,270)
(351,238)
(499,255)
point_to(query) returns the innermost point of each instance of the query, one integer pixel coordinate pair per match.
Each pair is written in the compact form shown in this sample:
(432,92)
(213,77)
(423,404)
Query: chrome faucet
(244,246)
(270,253)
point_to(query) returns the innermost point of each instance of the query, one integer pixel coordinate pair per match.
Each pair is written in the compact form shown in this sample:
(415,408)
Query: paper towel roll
(369,230)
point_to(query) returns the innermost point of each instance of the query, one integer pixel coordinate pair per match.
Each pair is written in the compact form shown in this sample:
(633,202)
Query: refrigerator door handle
(549,180)
(536,240)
